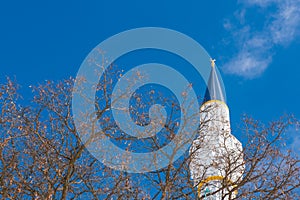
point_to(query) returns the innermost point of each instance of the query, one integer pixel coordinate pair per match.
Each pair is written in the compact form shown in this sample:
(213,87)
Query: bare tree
(42,156)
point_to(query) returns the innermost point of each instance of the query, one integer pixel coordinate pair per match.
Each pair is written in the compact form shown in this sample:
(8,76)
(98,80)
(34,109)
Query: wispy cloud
(293,135)
(255,47)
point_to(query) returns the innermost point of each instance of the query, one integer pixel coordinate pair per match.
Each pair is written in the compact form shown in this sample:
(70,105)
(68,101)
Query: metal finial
(212,62)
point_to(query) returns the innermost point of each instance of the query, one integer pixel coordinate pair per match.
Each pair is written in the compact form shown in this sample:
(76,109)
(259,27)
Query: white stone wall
(216,152)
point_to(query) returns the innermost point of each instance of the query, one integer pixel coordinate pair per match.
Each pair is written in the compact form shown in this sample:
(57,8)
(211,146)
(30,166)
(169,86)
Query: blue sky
(256,43)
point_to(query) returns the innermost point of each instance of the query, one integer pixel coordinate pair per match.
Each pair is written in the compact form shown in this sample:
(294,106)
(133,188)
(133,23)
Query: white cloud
(255,48)
(261,3)
(284,28)
(247,64)
(293,135)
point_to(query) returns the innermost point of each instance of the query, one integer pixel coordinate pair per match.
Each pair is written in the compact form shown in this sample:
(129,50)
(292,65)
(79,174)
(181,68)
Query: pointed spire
(214,90)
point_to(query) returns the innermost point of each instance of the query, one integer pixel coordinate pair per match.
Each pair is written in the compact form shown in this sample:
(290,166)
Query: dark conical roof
(214,90)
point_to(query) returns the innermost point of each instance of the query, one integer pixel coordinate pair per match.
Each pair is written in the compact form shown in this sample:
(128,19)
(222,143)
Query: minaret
(217,163)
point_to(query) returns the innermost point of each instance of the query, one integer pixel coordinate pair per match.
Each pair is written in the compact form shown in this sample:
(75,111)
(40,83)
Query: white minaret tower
(217,163)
